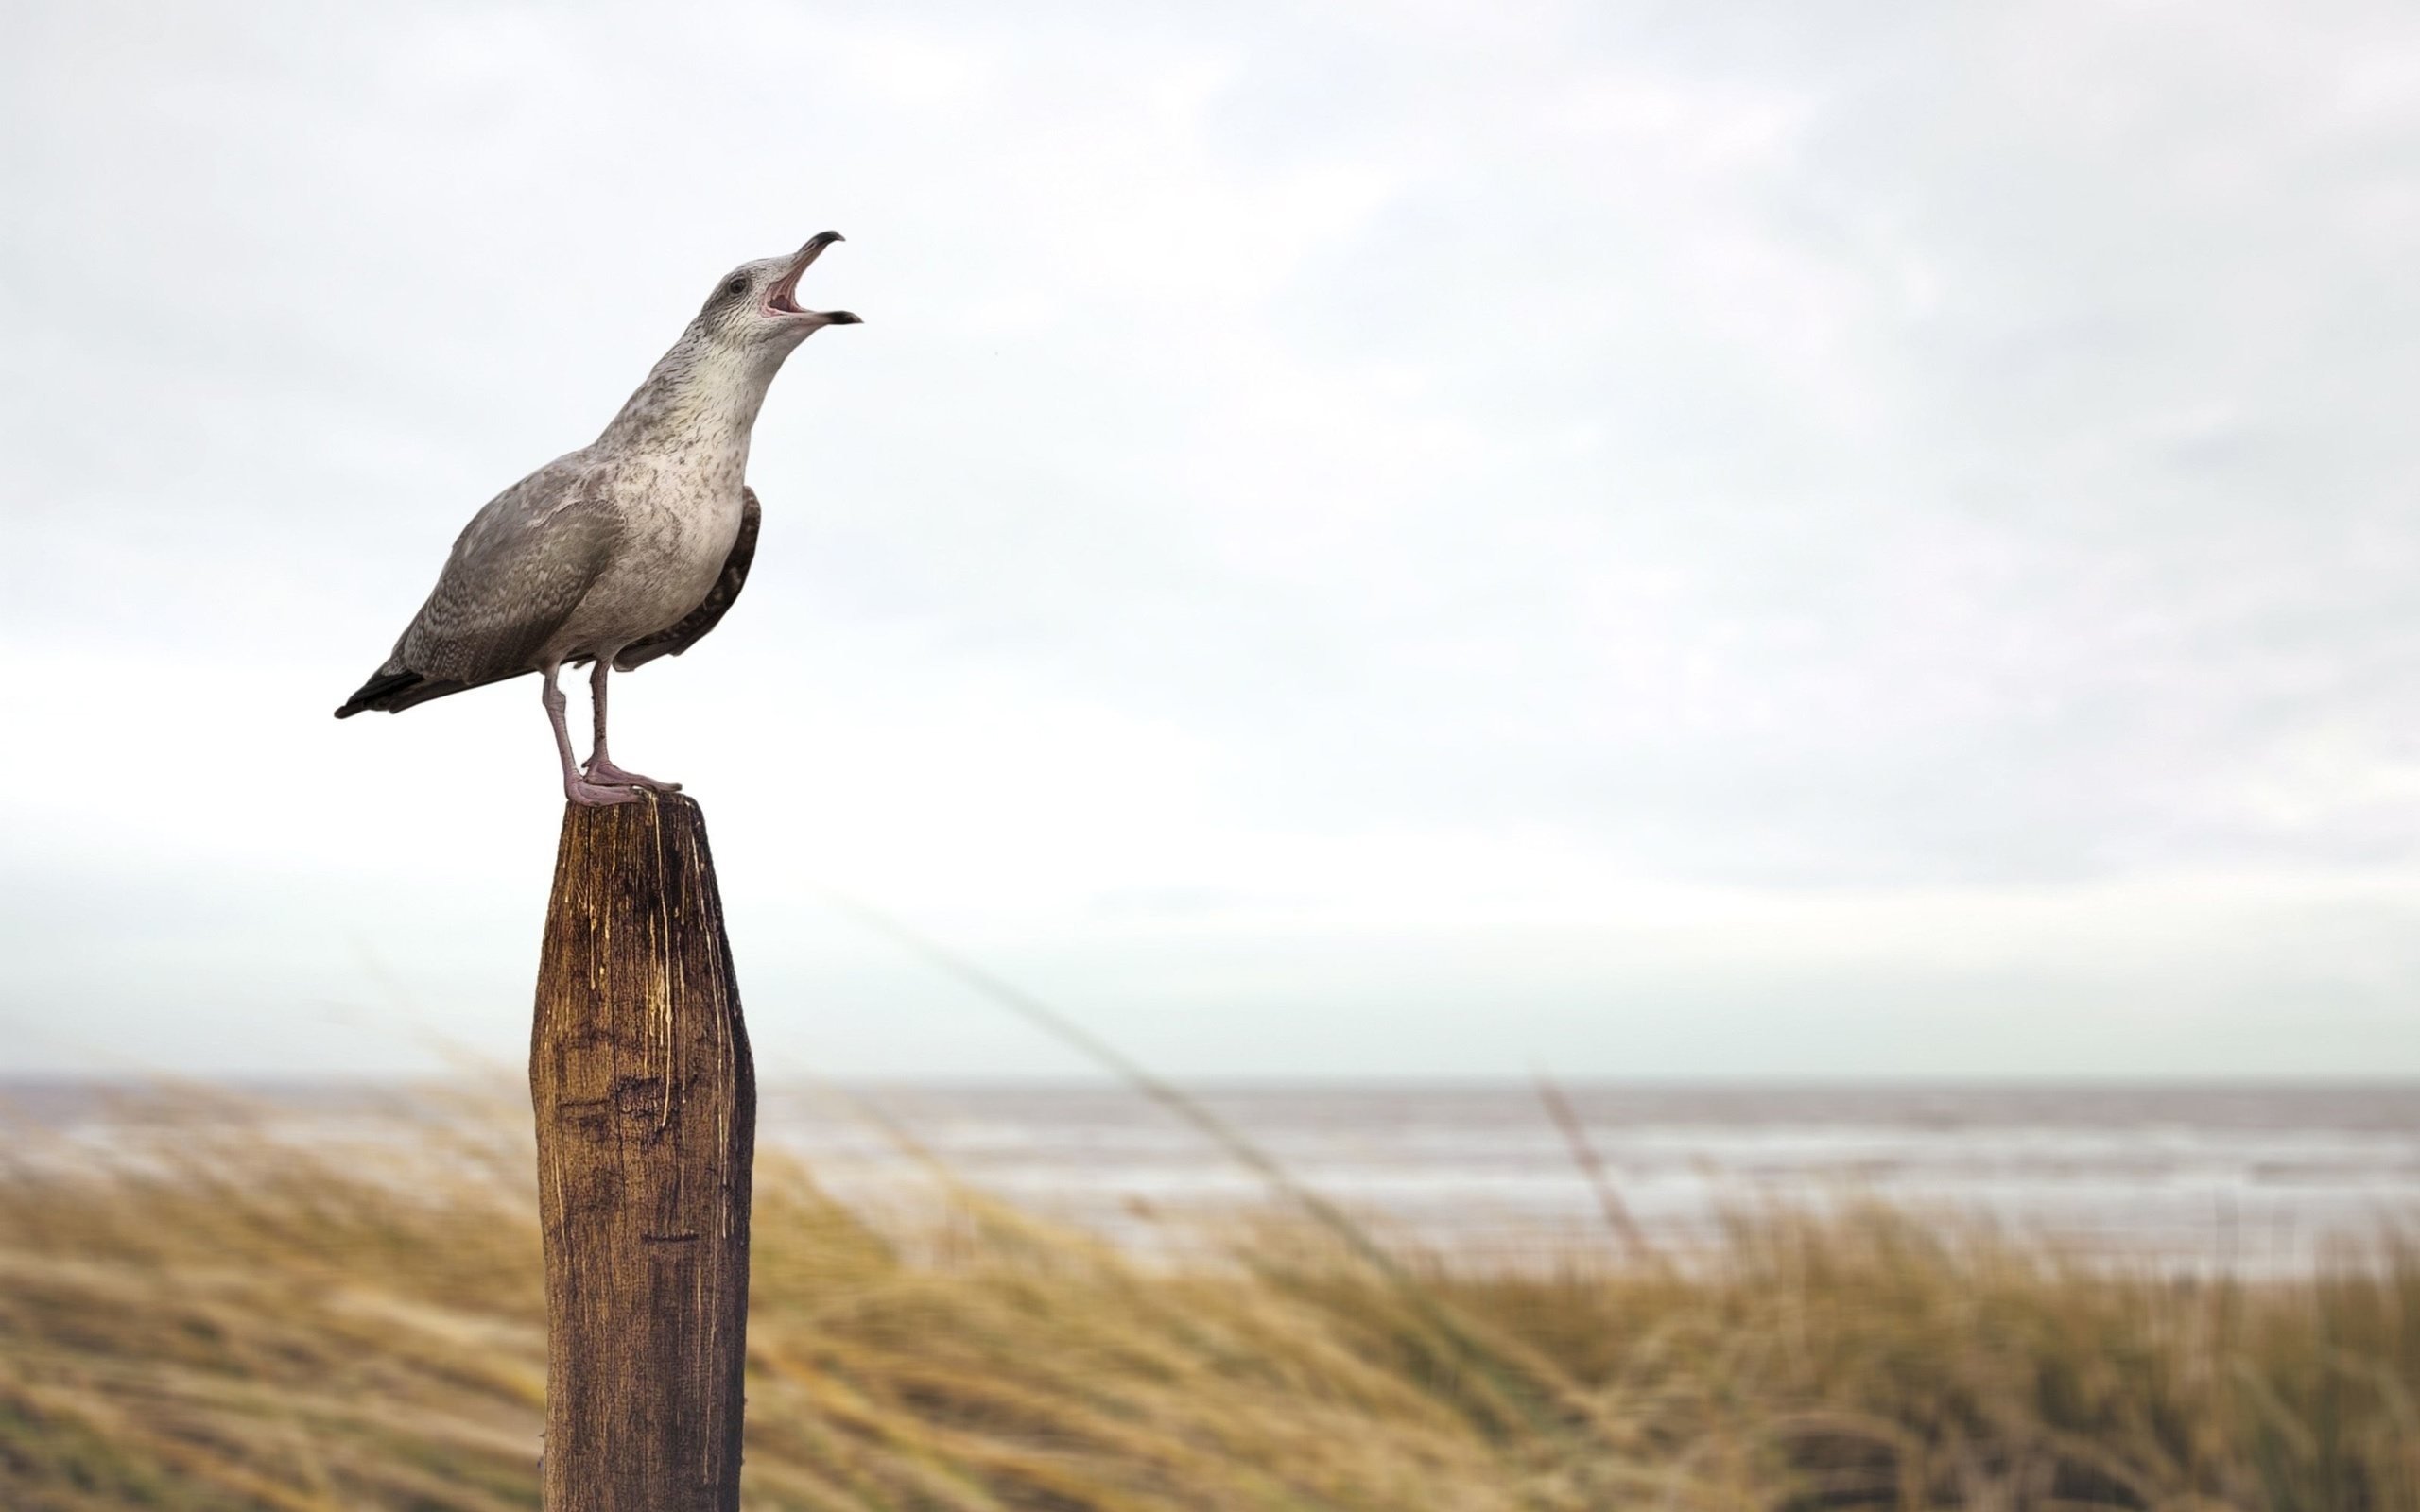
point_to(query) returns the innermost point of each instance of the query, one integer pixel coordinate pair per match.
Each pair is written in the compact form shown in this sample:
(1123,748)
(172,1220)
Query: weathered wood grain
(646,1102)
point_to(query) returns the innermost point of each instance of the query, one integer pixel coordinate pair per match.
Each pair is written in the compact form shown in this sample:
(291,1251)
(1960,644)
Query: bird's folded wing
(515,576)
(694,625)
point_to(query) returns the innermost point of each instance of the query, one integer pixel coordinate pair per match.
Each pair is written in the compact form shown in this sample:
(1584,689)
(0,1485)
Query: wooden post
(646,1101)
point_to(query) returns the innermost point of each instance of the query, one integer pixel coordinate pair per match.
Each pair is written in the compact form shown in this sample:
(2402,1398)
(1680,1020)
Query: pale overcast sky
(1426,539)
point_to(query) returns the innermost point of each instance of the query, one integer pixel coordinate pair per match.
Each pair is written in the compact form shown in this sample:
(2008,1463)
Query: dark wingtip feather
(386,690)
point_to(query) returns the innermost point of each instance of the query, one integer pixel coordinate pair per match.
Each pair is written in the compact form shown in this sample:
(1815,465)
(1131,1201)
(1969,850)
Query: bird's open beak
(782,298)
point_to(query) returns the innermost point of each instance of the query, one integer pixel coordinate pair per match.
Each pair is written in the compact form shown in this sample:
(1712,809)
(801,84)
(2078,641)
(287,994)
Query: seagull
(628,549)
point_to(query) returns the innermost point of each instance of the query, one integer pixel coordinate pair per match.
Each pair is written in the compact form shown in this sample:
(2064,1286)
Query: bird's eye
(737,285)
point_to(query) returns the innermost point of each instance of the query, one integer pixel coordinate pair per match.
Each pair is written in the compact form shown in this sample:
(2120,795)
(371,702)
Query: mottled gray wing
(516,573)
(719,600)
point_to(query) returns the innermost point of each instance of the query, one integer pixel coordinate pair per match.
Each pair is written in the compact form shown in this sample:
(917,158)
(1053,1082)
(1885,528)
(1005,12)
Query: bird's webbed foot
(603,773)
(596,796)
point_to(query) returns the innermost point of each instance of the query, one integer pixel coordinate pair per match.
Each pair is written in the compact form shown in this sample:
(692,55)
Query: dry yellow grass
(228,1323)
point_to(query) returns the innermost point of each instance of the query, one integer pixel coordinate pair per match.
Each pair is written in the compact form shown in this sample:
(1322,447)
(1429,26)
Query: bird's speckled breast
(680,514)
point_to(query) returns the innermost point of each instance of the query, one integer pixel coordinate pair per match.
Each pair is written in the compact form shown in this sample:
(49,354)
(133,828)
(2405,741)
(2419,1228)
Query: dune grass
(206,1318)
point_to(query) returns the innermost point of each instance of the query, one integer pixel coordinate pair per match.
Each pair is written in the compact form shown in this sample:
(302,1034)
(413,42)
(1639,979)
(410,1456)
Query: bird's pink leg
(576,788)
(600,767)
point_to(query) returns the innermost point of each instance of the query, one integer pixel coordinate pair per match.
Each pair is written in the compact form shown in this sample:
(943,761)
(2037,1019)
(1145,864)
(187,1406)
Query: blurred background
(1832,580)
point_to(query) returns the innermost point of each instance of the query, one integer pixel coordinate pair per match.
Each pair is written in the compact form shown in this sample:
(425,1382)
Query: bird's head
(757,303)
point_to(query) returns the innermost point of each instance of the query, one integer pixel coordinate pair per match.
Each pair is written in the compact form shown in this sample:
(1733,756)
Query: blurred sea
(2248,1178)
(2244,1176)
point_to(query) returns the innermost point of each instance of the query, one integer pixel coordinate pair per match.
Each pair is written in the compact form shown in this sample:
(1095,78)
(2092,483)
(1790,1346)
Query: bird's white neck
(701,393)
